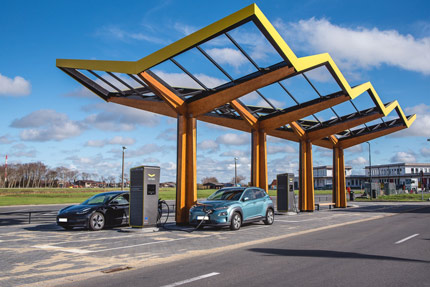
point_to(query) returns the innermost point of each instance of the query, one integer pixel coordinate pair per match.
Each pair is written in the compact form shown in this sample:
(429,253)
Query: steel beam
(300,111)
(385,129)
(344,123)
(208,103)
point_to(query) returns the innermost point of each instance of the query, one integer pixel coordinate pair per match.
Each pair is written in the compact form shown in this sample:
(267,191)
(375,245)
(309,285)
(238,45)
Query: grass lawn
(398,197)
(16,196)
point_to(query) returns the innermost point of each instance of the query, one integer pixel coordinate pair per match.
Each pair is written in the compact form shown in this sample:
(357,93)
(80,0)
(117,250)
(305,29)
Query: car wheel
(97,221)
(270,217)
(236,221)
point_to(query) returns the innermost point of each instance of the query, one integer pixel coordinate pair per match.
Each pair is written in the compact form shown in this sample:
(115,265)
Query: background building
(402,174)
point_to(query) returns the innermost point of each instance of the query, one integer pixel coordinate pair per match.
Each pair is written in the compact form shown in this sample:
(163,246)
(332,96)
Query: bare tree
(239,178)
(209,179)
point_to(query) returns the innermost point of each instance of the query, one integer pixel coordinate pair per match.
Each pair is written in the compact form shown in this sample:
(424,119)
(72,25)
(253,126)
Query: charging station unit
(144,186)
(285,192)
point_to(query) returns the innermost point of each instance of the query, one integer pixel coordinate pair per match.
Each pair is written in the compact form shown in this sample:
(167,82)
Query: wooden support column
(186,188)
(306,177)
(339,187)
(259,160)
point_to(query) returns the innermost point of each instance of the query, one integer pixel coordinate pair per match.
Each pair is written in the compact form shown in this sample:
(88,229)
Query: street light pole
(122,174)
(370,171)
(235,171)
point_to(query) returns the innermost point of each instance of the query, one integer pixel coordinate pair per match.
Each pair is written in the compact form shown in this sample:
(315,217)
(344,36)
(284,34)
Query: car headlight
(221,208)
(83,211)
(224,213)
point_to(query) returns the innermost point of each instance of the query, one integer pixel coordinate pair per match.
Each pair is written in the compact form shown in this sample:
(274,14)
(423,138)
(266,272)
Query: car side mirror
(246,199)
(114,202)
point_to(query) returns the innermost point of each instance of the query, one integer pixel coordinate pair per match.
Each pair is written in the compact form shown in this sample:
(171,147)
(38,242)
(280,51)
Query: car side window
(122,199)
(259,193)
(251,194)
(247,194)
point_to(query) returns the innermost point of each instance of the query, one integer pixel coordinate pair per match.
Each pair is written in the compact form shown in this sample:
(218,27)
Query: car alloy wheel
(236,221)
(97,221)
(270,217)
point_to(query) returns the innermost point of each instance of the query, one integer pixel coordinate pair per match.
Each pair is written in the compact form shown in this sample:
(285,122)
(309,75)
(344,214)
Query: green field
(20,196)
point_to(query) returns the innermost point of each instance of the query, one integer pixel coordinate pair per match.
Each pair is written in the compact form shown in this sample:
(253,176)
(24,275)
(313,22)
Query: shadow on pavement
(49,227)
(329,254)
(387,208)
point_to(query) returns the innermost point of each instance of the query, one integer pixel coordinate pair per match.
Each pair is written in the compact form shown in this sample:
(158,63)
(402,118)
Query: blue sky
(47,116)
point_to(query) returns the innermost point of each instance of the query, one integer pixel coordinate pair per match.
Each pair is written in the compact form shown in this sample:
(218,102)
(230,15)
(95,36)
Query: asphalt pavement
(390,251)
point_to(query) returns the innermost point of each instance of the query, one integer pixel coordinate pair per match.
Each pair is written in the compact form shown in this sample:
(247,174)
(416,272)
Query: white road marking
(71,250)
(191,279)
(407,238)
(83,251)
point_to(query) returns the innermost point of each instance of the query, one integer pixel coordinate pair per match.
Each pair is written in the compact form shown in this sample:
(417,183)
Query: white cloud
(208,145)
(118,140)
(227,56)
(148,149)
(120,118)
(17,86)
(168,134)
(402,156)
(5,139)
(421,126)
(233,139)
(46,125)
(114,32)
(235,153)
(425,151)
(95,143)
(359,47)
(276,103)
(320,74)
(355,149)
(357,161)
(274,149)
(184,28)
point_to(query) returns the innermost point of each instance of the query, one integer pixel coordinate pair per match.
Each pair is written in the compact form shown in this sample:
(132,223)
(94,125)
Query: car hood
(217,203)
(76,208)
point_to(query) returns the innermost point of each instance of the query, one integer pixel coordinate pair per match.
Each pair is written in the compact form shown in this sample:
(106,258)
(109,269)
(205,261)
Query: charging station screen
(151,189)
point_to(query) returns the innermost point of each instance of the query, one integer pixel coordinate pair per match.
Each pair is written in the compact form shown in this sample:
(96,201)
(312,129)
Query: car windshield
(99,199)
(226,194)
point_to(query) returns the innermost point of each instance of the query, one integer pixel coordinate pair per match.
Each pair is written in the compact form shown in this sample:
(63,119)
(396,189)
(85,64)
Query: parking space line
(407,238)
(192,279)
(71,250)
(84,251)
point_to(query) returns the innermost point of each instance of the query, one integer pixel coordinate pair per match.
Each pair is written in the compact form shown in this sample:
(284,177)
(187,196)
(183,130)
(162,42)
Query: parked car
(233,207)
(103,209)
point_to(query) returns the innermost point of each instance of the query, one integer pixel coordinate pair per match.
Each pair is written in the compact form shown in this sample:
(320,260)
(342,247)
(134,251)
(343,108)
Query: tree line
(37,175)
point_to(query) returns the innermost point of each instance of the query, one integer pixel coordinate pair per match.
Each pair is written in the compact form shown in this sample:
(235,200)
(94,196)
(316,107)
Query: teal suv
(232,207)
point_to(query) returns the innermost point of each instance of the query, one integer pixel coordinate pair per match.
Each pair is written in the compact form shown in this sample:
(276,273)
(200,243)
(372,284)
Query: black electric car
(103,209)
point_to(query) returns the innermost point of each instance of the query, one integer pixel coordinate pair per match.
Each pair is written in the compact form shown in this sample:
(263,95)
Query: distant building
(88,183)
(168,184)
(400,173)
(323,176)
(212,185)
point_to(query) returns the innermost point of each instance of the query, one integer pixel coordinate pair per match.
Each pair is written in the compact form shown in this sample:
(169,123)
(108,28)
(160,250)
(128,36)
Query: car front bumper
(214,219)
(73,220)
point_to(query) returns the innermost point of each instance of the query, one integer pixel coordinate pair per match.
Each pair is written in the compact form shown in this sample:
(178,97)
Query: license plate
(201,217)
(62,219)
